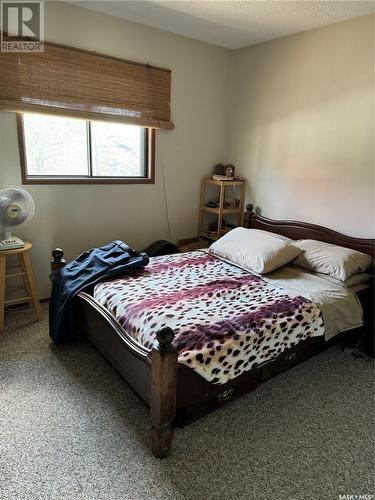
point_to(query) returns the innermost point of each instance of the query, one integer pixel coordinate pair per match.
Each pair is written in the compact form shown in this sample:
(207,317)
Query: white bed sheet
(341,308)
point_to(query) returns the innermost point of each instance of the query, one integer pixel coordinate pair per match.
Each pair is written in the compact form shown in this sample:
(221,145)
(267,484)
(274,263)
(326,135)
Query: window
(57,149)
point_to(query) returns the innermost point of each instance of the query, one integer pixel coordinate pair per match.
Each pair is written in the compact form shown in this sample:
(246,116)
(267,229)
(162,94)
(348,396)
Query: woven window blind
(69,81)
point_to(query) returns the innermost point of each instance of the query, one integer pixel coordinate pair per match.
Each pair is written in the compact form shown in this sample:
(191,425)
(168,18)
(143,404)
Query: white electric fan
(16,207)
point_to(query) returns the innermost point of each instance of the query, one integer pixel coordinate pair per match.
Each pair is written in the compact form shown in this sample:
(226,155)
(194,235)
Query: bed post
(163,392)
(248,215)
(57,262)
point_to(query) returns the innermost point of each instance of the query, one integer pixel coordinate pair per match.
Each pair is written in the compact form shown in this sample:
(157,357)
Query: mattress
(226,320)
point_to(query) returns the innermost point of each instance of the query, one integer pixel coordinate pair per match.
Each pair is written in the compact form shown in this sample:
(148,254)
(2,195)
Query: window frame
(149,158)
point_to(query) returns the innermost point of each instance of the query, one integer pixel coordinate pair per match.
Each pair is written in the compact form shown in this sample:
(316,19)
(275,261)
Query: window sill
(84,180)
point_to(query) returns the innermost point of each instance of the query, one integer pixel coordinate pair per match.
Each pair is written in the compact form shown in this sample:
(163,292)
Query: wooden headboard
(296,230)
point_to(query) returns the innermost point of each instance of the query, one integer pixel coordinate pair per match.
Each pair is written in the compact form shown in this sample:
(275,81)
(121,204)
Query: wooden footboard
(175,393)
(131,360)
(152,374)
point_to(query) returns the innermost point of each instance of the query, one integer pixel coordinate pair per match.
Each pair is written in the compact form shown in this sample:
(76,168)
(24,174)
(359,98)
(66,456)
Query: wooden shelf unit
(220,210)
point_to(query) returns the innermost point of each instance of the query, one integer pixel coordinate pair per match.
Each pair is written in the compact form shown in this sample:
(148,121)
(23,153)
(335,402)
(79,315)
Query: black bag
(161,247)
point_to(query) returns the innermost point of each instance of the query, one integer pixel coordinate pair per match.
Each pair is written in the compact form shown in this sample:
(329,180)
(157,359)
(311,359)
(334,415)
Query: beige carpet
(70,428)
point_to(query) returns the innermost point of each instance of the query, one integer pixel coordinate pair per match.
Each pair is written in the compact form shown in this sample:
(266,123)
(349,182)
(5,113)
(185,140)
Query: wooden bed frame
(175,393)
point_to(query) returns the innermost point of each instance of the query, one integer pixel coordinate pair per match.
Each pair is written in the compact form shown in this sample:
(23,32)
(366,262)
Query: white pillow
(339,262)
(256,250)
(275,235)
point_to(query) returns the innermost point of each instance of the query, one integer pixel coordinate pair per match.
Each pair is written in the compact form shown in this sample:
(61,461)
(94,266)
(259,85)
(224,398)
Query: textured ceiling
(230,23)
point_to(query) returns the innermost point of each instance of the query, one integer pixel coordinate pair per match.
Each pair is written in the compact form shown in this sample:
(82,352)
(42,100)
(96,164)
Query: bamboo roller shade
(68,81)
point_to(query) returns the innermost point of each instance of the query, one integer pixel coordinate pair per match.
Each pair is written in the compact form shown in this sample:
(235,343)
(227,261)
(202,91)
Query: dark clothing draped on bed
(113,259)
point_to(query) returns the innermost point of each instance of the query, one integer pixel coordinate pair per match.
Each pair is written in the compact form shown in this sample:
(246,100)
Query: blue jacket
(89,268)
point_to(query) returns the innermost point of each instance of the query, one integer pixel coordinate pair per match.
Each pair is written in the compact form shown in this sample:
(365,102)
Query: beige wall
(79,217)
(302,125)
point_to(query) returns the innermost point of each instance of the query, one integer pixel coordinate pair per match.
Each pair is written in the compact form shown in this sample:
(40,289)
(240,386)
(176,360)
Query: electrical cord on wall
(165,196)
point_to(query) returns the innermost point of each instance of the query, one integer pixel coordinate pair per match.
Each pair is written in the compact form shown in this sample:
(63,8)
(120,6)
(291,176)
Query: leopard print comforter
(226,320)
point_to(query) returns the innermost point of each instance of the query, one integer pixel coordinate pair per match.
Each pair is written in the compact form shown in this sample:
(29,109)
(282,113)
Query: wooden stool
(28,281)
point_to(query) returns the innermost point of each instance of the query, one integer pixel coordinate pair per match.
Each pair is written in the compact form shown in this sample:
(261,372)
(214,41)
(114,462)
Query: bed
(191,332)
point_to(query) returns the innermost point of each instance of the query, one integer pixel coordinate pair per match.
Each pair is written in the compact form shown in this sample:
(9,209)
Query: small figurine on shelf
(229,170)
